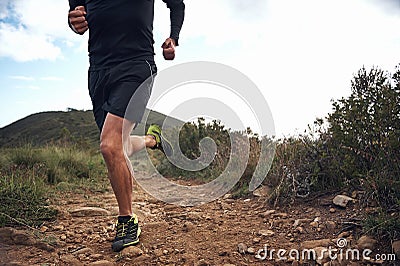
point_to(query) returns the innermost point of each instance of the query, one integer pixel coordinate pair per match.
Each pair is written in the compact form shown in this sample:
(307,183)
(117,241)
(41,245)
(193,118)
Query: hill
(46,127)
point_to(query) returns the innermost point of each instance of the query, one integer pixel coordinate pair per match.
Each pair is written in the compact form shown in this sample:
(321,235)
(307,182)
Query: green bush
(364,133)
(189,138)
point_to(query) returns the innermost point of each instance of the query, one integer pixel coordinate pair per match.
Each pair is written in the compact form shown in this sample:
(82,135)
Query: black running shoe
(127,234)
(162,143)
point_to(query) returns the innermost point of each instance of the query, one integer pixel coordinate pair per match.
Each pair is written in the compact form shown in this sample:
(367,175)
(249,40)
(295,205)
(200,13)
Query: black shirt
(121,30)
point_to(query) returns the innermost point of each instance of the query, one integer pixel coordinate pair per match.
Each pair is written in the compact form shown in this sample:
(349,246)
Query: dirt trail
(222,232)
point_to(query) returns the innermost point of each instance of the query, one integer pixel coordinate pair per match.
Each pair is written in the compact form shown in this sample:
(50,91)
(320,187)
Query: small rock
(256,240)
(246,200)
(229,264)
(242,248)
(314,224)
(366,242)
(96,256)
(101,263)
(332,210)
(70,260)
(266,233)
(342,200)
(63,237)
(269,212)
(396,248)
(330,225)
(251,251)
(44,229)
(296,222)
(188,226)
(82,251)
(300,229)
(89,211)
(316,243)
(158,252)
(165,252)
(263,191)
(227,196)
(131,251)
(282,215)
(58,227)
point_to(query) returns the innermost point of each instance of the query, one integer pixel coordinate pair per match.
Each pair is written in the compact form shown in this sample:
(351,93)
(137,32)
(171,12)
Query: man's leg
(115,142)
(119,173)
(116,145)
(137,143)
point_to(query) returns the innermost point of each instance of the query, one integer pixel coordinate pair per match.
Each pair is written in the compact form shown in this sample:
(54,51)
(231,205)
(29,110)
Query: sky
(300,54)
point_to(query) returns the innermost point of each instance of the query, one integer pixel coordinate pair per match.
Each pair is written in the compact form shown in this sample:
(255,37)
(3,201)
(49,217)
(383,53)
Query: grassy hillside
(47,127)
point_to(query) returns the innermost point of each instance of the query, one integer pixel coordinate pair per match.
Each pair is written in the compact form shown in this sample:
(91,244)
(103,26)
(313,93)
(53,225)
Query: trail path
(223,232)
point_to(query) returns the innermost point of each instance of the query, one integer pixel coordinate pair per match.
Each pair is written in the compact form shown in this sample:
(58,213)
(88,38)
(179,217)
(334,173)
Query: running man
(121,57)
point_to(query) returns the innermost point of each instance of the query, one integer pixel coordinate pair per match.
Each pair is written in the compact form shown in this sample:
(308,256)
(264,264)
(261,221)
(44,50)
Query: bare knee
(110,149)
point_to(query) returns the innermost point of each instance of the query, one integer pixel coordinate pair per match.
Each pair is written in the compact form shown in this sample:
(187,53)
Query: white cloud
(35,31)
(25,78)
(30,87)
(50,78)
(22,45)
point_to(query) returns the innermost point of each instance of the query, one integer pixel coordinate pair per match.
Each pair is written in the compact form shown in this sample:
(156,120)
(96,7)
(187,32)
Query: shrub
(28,175)
(23,198)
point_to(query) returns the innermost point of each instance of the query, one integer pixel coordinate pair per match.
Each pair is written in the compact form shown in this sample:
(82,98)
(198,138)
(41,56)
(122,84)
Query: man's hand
(169,49)
(77,19)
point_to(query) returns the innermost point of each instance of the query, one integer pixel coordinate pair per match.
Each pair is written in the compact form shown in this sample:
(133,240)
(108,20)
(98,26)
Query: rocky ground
(223,232)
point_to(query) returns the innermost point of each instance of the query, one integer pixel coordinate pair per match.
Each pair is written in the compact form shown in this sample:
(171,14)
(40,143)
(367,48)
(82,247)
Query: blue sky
(301,54)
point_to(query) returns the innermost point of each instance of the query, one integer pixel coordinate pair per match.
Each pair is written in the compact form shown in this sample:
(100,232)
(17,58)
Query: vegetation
(30,176)
(355,148)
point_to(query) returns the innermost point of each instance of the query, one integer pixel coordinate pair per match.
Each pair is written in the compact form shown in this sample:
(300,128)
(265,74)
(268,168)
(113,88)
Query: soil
(223,232)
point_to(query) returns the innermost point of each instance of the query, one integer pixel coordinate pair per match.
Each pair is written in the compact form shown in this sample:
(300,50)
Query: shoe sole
(167,147)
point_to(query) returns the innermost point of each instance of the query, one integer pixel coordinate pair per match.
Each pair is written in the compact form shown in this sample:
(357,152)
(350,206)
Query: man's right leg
(111,147)
(121,178)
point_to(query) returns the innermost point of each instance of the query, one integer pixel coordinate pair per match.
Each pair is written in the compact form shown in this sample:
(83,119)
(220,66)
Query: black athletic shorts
(111,90)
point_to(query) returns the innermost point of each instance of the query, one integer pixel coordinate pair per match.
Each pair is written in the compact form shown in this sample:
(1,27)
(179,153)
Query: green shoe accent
(162,143)
(155,131)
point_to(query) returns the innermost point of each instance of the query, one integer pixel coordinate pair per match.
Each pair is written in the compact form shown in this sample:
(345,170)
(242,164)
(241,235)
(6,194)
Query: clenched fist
(169,49)
(77,20)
